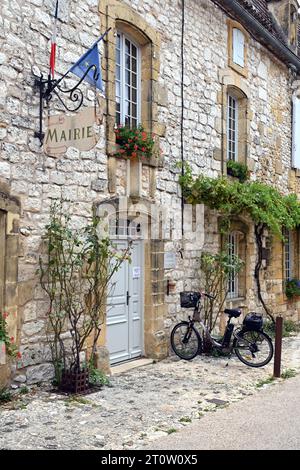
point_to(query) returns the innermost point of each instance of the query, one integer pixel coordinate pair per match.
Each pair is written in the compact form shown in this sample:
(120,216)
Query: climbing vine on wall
(265,205)
(10,348)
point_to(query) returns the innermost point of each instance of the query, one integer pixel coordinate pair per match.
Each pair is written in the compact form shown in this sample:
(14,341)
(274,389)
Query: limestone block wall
(87,178)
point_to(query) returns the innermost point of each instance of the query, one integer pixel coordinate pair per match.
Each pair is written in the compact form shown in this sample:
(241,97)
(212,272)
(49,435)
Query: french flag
(53,43)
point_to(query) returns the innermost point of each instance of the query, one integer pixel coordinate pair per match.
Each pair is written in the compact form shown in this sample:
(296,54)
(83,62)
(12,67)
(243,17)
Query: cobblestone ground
(139,406)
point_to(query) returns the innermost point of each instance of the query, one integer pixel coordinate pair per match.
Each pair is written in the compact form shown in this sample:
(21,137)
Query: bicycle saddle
(232,312)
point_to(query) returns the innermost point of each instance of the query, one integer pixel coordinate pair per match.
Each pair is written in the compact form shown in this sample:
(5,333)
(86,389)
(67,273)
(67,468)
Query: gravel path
(139,407)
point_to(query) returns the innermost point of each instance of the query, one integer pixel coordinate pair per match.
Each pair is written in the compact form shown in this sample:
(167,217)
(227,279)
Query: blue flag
(91,57)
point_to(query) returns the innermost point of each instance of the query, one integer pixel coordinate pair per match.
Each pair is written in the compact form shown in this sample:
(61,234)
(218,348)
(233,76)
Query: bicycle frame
(214,342)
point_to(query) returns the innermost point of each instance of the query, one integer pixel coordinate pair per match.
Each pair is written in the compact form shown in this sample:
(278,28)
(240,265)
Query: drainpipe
(182,108)
(277,47)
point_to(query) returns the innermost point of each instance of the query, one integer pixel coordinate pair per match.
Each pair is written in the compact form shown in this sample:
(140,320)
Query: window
(288,255)
(296,135)
(238,47)
(124,228)
(232,128)
(233,252)
(128,78)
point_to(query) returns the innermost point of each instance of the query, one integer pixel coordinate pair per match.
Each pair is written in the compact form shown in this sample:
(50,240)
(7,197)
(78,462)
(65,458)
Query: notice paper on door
(136,272)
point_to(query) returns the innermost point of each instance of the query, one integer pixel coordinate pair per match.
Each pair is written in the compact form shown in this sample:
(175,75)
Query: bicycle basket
(252,321)
(189,299)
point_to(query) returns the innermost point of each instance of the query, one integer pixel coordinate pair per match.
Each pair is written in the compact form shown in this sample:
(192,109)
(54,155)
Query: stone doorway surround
(155,338)
(9,252)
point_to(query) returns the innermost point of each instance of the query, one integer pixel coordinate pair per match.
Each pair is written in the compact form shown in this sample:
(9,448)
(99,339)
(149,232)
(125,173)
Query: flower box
(134,143)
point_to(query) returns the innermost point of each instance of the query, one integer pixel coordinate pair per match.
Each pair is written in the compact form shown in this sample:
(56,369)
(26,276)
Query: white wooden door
(125,308)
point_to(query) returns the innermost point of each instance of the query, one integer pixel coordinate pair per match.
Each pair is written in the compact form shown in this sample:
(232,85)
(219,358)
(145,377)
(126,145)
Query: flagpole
(53,44)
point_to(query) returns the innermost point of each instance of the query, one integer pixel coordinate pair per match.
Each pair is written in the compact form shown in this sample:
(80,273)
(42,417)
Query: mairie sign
(80,131)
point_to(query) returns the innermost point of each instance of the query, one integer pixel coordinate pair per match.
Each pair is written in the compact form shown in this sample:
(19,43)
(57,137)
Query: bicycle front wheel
(253,348)
(185,341)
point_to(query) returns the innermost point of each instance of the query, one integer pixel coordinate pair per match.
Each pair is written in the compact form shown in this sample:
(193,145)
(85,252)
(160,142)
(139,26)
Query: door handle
(127,298)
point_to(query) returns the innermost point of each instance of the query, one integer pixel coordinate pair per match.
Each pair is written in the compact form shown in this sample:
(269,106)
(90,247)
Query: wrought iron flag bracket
(48,87)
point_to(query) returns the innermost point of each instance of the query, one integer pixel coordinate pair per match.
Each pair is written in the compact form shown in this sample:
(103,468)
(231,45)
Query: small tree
(217,269)
(76,274)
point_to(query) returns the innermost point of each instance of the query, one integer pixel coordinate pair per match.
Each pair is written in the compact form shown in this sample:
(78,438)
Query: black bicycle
(250,343)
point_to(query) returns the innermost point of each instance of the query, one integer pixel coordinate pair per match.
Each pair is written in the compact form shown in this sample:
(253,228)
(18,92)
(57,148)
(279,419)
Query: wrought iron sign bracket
(49,87)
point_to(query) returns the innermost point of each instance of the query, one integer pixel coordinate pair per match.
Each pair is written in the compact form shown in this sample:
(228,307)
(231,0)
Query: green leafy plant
(75,273)
(266,206)
(97,377)
(10,346)
(265,381)
(216,269)
(289,327)
(134,142)
(185,419)
(292,288)
(171,431)
(238,170)
(5,395)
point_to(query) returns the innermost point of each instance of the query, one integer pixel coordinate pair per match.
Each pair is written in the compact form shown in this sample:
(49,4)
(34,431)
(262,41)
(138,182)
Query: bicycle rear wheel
(185,341)
(253,348)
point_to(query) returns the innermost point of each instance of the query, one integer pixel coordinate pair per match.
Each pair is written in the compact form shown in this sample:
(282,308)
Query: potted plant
(292,288)
(134,143)
(75,273)
(238,170)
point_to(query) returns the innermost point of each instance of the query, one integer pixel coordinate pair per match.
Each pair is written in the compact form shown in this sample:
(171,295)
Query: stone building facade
(193,56)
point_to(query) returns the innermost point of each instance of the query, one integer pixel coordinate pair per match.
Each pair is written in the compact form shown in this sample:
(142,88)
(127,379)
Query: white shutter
(238,45)
(296,132)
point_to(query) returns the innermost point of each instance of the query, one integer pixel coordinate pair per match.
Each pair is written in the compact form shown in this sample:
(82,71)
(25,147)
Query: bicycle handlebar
(209,296)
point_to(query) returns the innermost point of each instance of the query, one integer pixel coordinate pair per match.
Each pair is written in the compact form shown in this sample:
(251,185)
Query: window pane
(118,72)
(127,61)
(134,51)
(118,90)
(134,95)
(127,77)
(127,93)
(127,46)
(134,80)
(127,108)
(118,41)
(118,56)
(134,65)
(133,110)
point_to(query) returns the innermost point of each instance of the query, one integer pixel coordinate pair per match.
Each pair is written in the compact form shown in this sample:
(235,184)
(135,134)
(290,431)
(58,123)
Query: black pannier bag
(189,299)
(252,321)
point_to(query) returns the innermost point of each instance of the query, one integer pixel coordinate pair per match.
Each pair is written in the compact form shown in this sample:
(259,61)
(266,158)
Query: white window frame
(296,131)
(122,81)
(238,47)
(232,131)
(288,255)
(233,280)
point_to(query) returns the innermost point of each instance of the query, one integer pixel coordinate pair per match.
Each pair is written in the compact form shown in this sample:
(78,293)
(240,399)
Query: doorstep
(127,366)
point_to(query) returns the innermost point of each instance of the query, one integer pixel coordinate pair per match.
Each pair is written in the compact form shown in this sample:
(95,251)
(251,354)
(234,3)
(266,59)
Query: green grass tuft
(288,373)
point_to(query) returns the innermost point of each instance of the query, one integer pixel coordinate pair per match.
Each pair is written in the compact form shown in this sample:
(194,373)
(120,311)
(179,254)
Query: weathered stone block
(39,373)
